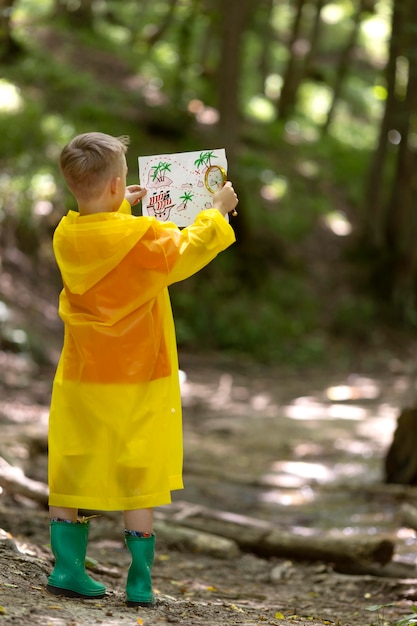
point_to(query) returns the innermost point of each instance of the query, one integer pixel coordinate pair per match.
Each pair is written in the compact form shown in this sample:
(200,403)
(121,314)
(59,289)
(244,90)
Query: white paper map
(176,184)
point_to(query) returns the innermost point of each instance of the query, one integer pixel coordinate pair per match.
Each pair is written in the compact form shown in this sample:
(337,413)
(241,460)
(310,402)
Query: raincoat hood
(88,247)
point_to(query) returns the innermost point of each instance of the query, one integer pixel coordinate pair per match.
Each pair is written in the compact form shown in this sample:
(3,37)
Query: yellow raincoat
(115,428)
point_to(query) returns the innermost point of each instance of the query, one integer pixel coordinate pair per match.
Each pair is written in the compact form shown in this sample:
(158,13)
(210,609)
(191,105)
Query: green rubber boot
(69,547)
(139,580)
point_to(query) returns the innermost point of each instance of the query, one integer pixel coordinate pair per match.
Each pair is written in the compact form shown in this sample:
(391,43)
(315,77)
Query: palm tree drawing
(205,159)
(158,171)
(186,197)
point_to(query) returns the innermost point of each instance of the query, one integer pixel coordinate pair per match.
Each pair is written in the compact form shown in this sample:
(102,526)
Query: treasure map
(181,185)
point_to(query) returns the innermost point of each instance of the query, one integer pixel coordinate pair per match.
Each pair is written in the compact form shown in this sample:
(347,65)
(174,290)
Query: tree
(293,70)
(389,229)
(9,47)
(78,14)
(344,61)
(263,25)
(158,32)
(229,82)
(185,51)
(229,70)
(400,228)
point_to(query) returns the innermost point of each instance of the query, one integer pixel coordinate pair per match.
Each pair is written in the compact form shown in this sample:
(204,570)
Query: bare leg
(63,513)
(140,520)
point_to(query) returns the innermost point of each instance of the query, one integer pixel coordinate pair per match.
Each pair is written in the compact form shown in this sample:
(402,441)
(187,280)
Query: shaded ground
(259,442)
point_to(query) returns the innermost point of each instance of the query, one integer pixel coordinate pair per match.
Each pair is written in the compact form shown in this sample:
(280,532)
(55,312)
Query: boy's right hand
(225,199)
(134,193)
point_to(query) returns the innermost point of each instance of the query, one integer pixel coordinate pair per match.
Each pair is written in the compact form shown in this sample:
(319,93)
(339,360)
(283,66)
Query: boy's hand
(134,193)
(225,199)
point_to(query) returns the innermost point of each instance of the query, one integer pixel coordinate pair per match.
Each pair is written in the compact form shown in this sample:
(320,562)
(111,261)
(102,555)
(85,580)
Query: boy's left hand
(134,193)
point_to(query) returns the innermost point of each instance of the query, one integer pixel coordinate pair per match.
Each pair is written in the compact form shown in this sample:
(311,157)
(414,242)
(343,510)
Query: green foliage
(408,620)
(379,610)
(137,72)
(355,316)
(275,320)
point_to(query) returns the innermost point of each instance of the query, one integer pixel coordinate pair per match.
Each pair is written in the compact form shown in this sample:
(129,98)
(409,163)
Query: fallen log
(176,536)
(264,539)
(250,534)
(13,480)
(330,549)
(408,516)
(404,571)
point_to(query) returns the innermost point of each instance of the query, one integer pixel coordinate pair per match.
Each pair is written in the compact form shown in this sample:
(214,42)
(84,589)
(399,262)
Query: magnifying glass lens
(215,178)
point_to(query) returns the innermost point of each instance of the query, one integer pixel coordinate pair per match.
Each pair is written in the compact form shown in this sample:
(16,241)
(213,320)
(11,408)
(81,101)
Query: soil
(304,453)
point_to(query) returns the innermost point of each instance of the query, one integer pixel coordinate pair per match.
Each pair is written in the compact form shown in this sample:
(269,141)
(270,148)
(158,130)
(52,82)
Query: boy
(115,432)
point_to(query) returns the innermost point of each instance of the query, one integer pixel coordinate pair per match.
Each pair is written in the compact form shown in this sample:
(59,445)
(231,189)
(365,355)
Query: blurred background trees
(315,103)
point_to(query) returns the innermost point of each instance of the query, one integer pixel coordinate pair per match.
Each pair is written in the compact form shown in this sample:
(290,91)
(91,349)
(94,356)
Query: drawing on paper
(175,184)
(159,205)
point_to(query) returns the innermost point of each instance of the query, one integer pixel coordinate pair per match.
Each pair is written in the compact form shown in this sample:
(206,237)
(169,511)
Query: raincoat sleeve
(189,250)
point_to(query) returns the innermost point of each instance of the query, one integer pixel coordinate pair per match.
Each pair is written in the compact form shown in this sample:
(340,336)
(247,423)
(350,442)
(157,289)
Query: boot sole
(149,605)
(69,593)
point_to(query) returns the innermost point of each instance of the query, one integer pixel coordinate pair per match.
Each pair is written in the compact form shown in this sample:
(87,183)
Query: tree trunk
(9,48)
(229,77)
(267,34)
(229,73)
(390,229)
(343,65)
(301,62)
(184,49)
(291,80)
(157,34)
(401,224)
(79,15)
(314,39)
(373,224)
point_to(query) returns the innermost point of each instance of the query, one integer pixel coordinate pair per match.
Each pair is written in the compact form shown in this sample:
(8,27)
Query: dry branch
(13,480)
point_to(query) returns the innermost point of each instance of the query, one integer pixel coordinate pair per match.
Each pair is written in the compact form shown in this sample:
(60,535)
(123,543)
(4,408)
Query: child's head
(90,160)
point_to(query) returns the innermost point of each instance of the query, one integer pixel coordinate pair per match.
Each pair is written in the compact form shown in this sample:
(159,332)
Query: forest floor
(304,453)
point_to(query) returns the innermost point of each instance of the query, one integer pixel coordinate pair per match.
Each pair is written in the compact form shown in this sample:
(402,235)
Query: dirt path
(304,454)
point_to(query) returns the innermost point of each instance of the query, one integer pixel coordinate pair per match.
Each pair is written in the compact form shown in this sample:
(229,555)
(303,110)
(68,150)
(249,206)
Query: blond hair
(89,160)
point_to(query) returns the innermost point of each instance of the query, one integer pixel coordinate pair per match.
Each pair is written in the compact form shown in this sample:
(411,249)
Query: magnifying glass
(214,179)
